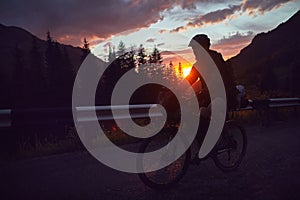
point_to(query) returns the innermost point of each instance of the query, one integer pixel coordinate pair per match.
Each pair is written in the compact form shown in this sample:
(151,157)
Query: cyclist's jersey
(227,76)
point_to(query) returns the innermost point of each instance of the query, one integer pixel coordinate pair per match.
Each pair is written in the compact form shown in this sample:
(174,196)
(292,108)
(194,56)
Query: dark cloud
(262,6)
(151,40)
(162,31)
(235,38)
(218,16)
(71,20)
(160,44)
(184,4)
(75,18)
(256,27)
(94,19)
(215,16)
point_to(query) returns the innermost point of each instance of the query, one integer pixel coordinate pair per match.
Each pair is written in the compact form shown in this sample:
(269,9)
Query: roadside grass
(265,118)
(40,144)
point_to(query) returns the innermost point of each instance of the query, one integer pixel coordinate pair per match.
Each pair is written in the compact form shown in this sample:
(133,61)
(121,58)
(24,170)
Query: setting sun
(186,71)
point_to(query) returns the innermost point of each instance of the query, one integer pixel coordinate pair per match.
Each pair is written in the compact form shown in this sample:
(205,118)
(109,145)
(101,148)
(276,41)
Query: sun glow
(186,71)
(182,65)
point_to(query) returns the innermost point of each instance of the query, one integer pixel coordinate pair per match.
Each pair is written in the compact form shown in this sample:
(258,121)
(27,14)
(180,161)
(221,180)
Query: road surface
(270,170)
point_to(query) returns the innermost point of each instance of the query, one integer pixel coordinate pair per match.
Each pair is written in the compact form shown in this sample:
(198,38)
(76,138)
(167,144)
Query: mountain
(271,61)
(24,70)
(12,37)
(38,73)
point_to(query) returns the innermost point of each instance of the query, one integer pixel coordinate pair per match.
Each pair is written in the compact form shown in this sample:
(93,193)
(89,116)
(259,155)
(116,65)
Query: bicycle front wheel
(168,176)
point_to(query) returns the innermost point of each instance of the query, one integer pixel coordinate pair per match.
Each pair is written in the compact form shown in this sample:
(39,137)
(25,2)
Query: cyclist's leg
(202,130)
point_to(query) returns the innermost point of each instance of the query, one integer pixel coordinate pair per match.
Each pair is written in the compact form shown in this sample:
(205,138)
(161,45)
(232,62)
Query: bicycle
(231,144)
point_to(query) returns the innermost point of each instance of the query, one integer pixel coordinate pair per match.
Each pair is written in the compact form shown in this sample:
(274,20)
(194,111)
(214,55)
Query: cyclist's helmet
(201,39)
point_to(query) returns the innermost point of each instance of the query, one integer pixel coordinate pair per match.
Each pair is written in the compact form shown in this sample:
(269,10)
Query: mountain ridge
(275,52)
(16,45)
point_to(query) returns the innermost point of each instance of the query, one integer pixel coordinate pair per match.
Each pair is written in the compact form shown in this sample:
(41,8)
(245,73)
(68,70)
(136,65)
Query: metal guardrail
(284,102)
(271,103)
(27,117)
(21,117)
(83,114)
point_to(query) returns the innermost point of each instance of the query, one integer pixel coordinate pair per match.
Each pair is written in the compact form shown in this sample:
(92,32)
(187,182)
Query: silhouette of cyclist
(200,87)
(168,100)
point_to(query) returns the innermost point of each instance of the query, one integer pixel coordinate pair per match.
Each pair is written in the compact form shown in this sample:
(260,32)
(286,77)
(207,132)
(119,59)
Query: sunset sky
(168,24)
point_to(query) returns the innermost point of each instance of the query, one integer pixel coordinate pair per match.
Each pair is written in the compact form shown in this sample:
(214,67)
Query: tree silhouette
(48,37)
(129,60)
(121,49)
(155,57)
(60,75)
(179,68)
(171,64)
(85,49)
(126,59)
(142,57)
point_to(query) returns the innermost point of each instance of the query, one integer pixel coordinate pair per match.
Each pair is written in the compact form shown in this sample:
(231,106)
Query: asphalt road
(270,170)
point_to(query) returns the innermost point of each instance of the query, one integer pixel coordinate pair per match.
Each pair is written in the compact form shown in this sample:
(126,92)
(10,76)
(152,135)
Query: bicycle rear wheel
(168,176)
(231,148)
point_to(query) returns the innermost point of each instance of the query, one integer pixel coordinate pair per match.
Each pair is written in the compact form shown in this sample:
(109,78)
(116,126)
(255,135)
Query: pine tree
(58,78)
(85,49)
(48,37)
(130,59)
(142,56)
(122,55)
(171,64)
(121,49)
(155,57)
(180,68)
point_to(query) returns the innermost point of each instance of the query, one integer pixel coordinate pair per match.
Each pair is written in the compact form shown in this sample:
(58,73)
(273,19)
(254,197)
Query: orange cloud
(178,29)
